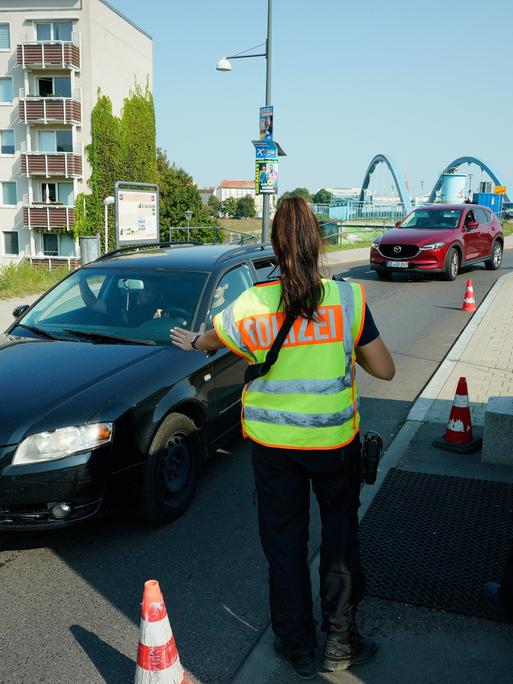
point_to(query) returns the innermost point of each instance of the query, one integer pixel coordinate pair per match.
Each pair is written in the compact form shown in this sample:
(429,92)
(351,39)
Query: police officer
(303,420)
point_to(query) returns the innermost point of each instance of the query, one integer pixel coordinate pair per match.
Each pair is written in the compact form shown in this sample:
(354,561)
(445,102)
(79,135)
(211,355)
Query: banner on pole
(266,123)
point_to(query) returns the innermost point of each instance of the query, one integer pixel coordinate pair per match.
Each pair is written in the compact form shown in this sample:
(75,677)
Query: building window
(54,31)
(9,198)
(58,244)
(7,142)
(5,37)
(55,141)
(57,192)
(11,243)
(6,90)
(58,85)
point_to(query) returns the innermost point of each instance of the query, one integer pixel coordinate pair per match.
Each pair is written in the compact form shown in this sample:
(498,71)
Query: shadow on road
(112,665)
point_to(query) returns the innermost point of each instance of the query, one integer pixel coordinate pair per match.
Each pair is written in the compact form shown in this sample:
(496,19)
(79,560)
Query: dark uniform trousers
(282,478)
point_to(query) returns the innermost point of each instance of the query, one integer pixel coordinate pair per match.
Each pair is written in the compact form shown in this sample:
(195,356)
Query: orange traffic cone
(469,303)
(157,656)
(458,435)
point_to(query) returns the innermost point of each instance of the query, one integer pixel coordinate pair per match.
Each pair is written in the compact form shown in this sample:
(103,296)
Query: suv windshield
(432,218)
(129,304)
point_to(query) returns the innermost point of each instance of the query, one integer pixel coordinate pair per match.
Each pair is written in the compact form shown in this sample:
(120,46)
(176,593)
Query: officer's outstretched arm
(376,360)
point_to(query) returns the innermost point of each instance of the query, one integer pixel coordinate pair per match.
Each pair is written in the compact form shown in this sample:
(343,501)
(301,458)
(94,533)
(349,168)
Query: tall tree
(322,196)
(297,192)
(246,207)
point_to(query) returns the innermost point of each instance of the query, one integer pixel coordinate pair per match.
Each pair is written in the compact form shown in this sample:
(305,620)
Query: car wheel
(384,275)
(172,469)
(452,265)
(495,260)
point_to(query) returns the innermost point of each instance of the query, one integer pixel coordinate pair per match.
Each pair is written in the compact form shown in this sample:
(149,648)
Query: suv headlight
(375,245)
(434,245)
(49,446)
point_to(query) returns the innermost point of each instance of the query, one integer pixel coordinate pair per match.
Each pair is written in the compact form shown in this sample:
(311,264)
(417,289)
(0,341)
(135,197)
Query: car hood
(40,377)
(417,236)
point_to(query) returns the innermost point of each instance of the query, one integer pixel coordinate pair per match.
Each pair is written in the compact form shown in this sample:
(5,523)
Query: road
(70,599)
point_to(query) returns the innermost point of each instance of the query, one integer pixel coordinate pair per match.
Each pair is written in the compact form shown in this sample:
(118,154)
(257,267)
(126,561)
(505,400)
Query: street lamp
(224,65)
(106,202)
(188,216)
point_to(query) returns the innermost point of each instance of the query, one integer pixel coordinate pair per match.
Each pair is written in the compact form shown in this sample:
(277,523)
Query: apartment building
(54,56)
(241,188)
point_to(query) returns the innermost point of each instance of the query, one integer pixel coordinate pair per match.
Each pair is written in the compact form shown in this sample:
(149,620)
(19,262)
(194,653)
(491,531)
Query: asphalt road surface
(70,599)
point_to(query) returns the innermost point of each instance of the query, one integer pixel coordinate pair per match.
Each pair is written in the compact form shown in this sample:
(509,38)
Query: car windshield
(432,218)
(96,304)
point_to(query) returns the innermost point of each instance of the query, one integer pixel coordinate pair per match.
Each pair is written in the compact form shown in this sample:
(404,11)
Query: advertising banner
(266,176)
(266,123)
(265,149)
(137,216)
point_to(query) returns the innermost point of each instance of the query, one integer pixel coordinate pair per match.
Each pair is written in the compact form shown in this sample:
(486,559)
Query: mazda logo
(397,249)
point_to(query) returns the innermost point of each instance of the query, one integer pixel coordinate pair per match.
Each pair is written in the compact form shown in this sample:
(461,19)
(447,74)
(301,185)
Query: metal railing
(222,235)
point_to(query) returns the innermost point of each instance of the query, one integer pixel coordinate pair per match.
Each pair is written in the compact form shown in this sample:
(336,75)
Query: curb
(259,663)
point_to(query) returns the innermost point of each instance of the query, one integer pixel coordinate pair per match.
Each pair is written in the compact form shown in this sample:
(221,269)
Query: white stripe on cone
(155,633)
(460,401)
(457,426)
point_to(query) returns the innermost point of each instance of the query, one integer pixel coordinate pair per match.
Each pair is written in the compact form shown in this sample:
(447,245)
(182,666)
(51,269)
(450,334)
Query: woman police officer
(303,420)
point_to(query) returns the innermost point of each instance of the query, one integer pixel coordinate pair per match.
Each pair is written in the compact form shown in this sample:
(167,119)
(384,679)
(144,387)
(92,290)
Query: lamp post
(470,186)
(224,65)
(188,216)
(106,202)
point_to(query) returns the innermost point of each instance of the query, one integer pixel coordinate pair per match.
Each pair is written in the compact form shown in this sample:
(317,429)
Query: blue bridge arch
(404,195)
(459,162)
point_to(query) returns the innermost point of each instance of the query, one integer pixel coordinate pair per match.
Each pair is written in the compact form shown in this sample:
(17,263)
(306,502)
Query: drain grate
(434,540)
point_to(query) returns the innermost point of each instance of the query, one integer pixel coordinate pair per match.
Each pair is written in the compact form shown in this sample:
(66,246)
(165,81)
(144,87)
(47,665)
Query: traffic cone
(469,303)
(458,435)
(157,657)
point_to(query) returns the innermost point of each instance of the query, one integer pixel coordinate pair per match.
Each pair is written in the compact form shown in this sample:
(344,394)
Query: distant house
(206,193)
(241,188)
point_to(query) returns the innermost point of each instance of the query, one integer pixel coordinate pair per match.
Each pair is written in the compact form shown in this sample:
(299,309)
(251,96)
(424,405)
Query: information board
(137,216)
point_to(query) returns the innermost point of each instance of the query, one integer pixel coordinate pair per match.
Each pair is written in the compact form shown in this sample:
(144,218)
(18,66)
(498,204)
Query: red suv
(440,238)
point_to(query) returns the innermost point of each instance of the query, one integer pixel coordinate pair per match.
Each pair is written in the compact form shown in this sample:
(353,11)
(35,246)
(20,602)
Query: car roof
(181,256)
(452,206)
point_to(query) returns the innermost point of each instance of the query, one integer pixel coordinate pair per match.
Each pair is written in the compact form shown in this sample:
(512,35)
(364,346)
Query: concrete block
(498,431)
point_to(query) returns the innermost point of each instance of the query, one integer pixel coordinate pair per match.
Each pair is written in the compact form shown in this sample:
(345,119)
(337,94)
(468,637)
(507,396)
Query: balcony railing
(66,164)
(42,110)
(49,54)
(48,217)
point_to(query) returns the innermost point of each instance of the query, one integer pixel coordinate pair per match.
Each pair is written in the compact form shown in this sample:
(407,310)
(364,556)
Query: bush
(18,280)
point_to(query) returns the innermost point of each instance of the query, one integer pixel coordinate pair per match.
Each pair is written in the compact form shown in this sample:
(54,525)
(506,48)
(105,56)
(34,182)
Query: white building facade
(241,188)
(54,56)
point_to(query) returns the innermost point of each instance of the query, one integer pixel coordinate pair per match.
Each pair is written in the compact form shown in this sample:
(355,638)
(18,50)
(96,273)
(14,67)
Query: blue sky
(422,82)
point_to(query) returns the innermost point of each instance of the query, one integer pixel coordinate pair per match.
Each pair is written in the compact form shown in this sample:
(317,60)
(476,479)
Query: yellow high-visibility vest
(309,398)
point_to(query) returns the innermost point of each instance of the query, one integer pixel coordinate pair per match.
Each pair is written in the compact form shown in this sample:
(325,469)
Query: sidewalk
(419,644)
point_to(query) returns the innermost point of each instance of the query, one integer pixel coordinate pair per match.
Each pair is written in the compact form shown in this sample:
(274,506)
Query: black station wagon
(95,396)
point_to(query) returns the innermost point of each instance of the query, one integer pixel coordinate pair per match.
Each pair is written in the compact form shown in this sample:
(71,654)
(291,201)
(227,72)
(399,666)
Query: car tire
(384,275)
(452,264)
(172,469)
(495,260)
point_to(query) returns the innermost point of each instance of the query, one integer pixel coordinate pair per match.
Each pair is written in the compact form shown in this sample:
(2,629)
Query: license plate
(397,264)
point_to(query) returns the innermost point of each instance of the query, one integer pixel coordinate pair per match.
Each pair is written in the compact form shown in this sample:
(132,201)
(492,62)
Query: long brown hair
(296,241)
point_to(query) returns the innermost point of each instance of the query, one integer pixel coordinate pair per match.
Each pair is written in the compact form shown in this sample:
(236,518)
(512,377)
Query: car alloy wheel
(495,260)
(452,264)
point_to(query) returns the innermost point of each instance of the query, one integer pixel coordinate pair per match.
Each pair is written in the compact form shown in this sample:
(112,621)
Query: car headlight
(434,245)
(375,245)
(49,446)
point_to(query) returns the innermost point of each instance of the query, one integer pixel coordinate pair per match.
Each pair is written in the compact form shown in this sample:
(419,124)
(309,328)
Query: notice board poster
(266,177)
(137,216)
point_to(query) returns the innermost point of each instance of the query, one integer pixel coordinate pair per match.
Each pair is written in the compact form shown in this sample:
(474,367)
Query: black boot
(301,659)
(339,655)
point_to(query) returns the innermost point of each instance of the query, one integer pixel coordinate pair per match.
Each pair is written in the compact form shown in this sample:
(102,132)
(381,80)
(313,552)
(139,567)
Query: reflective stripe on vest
(309,399)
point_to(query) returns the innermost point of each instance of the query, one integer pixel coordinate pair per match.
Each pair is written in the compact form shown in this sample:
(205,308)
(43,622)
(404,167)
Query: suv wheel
(172,469)
(495,260)
(452,265)
(384,275)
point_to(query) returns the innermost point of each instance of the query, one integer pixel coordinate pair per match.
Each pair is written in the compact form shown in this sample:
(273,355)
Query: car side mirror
(397,224)
(20,310)
(339,277)
(471,225)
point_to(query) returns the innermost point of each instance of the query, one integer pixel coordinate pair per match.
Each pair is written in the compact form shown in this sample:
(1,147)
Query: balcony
(64,164)
(48,217)
(56,110)
(49,55)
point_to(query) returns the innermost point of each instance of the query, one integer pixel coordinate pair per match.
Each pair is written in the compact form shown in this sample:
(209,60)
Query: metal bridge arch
(396,175)
(459,162)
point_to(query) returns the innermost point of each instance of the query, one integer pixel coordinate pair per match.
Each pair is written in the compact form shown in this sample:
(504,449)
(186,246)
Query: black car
(96,398)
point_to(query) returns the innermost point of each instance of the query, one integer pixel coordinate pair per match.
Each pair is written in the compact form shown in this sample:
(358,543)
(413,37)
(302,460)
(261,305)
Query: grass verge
(24,279)
(507,227)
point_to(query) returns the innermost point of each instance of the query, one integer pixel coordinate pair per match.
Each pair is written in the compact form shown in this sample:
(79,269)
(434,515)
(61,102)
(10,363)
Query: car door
(471,237)
(485,231)
(228,368)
